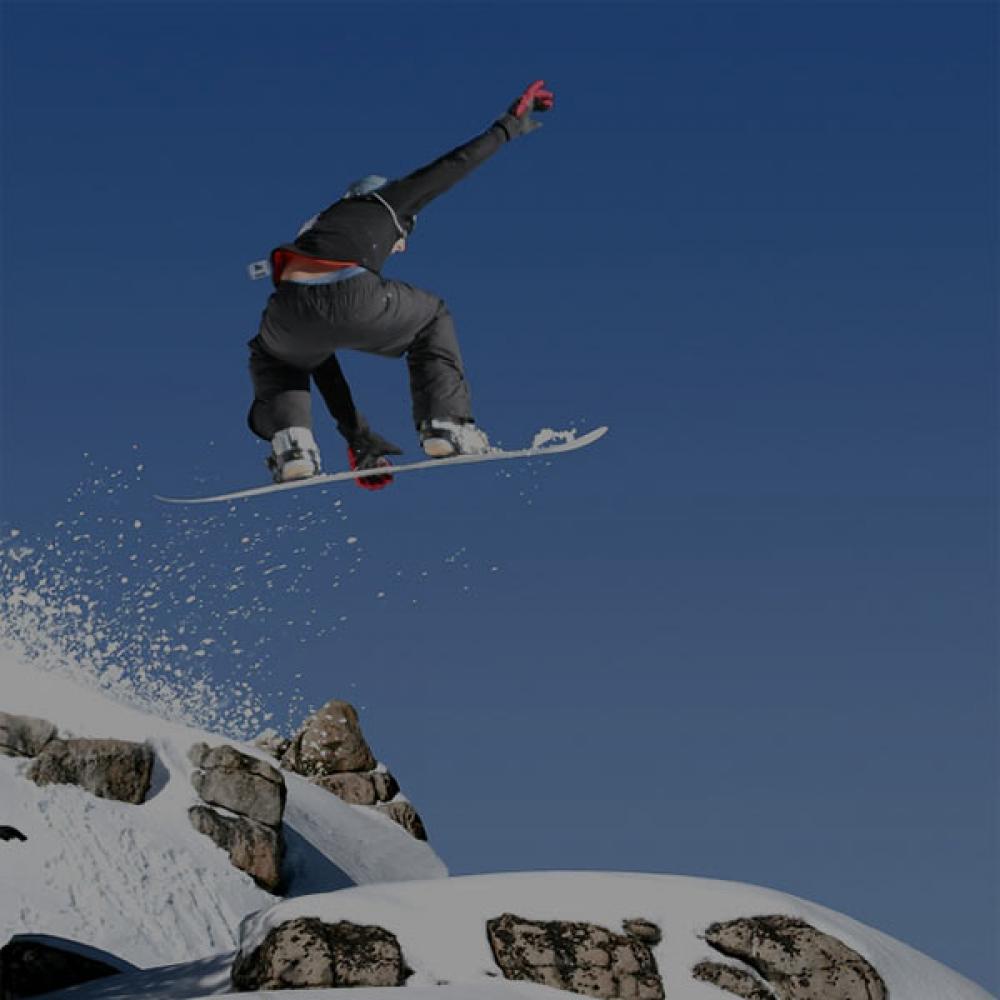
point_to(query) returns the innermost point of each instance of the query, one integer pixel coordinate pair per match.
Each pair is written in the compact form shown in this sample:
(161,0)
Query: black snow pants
(303,325)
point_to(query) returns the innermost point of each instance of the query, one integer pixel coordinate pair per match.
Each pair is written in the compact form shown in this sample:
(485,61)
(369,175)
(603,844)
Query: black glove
(518,120)
(367,450)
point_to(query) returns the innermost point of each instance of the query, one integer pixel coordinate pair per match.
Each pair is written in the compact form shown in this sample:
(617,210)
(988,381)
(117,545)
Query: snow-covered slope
(139,881)
(440,926)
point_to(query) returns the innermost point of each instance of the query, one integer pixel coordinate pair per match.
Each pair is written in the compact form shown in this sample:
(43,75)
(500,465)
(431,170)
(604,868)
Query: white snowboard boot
(444,438)
(294,455)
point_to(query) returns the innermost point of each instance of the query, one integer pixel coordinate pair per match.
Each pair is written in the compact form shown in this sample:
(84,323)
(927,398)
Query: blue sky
(750,635)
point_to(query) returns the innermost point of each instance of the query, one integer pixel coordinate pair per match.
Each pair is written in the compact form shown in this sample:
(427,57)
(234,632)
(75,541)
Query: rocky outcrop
(580,957)
(794,959)
(255,792)
(24,735)
(329,742)
(332,752)
(110,769)
(33,964)
(306,953)
(11,833)
(236,781)
(253,847)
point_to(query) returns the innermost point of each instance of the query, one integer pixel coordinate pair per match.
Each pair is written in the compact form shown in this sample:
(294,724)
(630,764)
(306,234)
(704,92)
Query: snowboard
(324,479)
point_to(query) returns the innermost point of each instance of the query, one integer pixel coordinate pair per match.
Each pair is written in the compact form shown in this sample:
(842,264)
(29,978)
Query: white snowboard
(539,451)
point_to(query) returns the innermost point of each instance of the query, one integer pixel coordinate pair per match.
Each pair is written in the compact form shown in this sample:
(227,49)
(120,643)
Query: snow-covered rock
(23,735)
(109,768)
(31,964)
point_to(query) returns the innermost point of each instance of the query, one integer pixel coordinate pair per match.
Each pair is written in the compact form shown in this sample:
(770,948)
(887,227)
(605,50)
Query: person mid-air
(330,295)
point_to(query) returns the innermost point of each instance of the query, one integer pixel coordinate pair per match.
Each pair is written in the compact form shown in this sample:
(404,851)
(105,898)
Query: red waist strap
(283,260)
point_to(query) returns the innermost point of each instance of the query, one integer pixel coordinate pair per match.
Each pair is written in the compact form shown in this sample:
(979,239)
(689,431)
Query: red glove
(534,98)
(370,482)
(518,120)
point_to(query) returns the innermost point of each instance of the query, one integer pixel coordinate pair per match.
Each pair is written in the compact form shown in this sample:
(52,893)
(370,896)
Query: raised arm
(411,193)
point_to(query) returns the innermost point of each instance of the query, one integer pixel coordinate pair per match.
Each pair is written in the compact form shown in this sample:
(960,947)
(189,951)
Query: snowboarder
(329,295)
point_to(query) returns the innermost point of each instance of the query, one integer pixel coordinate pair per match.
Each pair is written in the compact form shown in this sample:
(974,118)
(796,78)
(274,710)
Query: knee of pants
(256,425)
(287,409)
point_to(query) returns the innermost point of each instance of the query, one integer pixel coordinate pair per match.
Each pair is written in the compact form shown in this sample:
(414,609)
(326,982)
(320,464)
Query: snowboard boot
(294,455)
(443,437)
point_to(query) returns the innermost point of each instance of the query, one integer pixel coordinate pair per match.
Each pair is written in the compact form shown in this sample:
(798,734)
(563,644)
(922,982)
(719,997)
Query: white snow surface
(139,881)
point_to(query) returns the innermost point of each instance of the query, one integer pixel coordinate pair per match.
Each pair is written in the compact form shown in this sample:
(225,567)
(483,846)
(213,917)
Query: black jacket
(363,231)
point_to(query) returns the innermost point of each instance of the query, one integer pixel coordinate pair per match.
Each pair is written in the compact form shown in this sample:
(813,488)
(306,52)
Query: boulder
(33,964)
(797,961)
(406,816)
(739,982)
(329,742)
(386,786)
(110,769)
(580,957)
(238,782)
(360,789)
(254,848)
(306,953)
(356,789)
(643,930)
(23,735)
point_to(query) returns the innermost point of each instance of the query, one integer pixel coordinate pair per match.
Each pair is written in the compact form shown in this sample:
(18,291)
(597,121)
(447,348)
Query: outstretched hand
(535,97)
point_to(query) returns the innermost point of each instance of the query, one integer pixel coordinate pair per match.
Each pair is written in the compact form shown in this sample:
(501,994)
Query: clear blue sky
(750,635)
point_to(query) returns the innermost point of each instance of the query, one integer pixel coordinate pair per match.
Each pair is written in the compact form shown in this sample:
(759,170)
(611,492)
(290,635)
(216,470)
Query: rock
(253,847)
(732,980)
(272,742)
(110,769)
(386,786)
(406,816)
(796,960)
(357,789)
(33,964)
(11,833)
(360,789)
(23,735)
(238,782)
(583,958)
(643,930)
(329,742)
(306,953)
(294,955)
